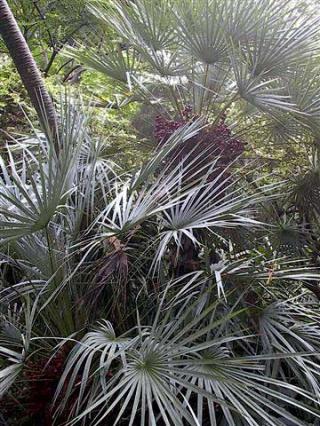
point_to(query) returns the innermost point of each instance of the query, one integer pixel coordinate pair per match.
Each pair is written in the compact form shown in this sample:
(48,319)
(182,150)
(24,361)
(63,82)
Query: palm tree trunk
(28,70)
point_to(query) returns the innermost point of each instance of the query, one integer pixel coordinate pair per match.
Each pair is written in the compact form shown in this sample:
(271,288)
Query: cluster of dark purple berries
(39,385)
(41,378)
(227,146)
(215,140)
(165,127)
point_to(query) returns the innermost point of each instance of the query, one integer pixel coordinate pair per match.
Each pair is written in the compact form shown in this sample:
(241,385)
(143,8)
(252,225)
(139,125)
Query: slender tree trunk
(28,70)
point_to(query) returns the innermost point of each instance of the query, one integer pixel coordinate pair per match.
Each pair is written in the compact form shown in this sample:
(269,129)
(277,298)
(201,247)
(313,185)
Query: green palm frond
(147,26)
(286,327)
(118,64)
(163,366)
(281,129)
(82,360)
(200,29)
(144,23)
(304,91)
(304,190)
(11,354)
(211,206)
(145,195)
(37,187)
(15,338)
(291,41)
(242,19)
(265,95)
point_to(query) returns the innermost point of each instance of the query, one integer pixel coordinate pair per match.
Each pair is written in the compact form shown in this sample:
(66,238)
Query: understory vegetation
(160,250)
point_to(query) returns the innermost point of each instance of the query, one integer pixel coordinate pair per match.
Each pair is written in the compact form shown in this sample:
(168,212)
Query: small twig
(77,67)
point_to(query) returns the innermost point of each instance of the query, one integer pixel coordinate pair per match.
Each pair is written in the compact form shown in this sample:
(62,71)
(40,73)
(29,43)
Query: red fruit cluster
(213,141)
(165,127)
(226,146)
(41,379)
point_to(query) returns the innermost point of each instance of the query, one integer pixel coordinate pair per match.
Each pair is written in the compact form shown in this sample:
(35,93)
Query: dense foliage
(48,27)
(183,290)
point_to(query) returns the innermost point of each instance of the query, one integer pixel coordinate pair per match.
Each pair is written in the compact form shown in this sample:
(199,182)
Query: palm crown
(210,54)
